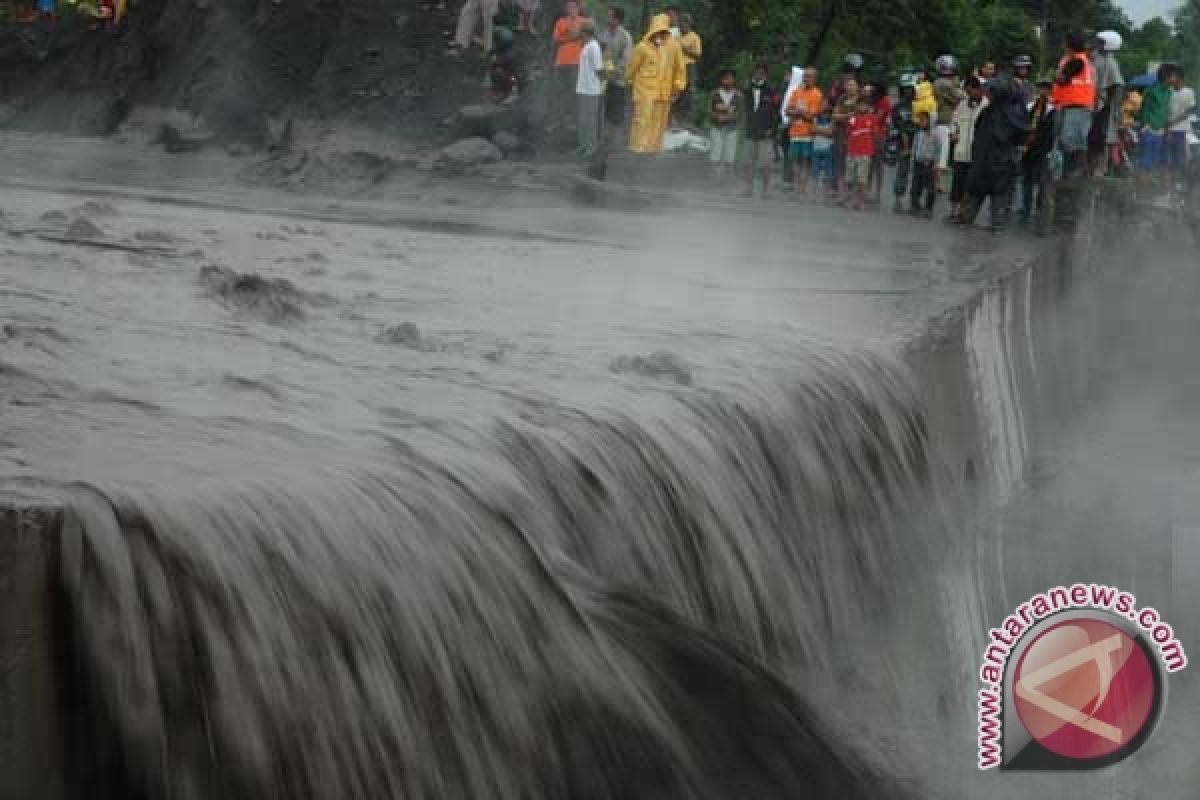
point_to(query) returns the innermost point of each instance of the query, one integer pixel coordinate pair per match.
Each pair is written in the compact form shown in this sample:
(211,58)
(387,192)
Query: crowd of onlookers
(967,137)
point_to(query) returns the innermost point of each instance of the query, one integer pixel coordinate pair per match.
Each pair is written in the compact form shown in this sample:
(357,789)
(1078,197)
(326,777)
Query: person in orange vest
(1074,95)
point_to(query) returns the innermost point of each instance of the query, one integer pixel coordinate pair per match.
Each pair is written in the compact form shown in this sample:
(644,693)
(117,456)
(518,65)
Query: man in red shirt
(862,132)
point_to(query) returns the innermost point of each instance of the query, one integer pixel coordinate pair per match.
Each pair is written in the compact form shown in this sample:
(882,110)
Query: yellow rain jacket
(924,101)
(655,73)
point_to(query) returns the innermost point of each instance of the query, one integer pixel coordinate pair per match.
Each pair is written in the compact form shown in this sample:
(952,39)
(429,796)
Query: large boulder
(508,143)
(469,153)
(484,119)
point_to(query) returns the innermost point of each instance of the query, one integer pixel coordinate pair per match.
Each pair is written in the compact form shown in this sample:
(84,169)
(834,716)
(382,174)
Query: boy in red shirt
(862,132)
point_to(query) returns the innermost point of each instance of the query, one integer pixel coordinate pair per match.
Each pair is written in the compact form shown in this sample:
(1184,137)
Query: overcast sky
(1141,10)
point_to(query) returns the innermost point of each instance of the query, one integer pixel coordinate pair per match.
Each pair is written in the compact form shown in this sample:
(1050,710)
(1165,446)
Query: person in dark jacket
(1038,145)
(760,107)
(1000,129)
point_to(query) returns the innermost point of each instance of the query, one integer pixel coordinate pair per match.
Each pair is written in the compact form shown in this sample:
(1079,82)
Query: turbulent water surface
(376,501)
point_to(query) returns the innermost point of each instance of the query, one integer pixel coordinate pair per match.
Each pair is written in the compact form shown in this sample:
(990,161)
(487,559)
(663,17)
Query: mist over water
(346,522)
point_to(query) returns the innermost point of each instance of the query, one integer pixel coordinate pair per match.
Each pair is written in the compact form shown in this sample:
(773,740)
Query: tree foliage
(894,35)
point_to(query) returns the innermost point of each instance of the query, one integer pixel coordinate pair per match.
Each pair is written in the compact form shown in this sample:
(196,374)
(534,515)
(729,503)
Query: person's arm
(635,64)
(692,46)
(1187,112)
(680,77)
(598,59)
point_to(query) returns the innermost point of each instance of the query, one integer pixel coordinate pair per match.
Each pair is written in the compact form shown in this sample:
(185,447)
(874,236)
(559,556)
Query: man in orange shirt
(566,61)
(803,105)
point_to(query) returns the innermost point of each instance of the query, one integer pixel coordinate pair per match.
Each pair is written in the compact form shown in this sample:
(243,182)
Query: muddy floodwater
(466,492)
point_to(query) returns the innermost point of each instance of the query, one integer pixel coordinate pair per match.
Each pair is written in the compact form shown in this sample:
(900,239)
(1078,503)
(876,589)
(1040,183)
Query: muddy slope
(375,61)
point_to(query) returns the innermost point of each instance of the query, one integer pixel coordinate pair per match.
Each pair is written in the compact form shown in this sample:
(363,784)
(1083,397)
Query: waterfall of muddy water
(525,516)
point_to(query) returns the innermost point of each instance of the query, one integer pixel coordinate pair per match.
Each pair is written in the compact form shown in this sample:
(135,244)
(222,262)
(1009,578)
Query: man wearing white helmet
(948,93)
(1103,141)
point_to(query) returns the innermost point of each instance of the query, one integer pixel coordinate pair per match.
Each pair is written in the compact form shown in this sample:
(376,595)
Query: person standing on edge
(589,91)
(948,95)
(1038,145)
(803,105)
(965,117)
(656,74)
(692,48)
(923,196)
(724,111)
(1074,97)
(1180,109)
(862,141)
(852,66)
(618,47)
(1153,114)
(761,114)
(1002,125)
(569,43)
(1106,122)
(903,125)
(845,107)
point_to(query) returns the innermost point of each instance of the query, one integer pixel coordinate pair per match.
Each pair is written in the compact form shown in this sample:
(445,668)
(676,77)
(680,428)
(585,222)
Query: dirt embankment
(378,62)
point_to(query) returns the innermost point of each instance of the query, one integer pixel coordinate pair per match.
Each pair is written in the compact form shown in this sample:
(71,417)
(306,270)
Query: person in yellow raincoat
(656,73)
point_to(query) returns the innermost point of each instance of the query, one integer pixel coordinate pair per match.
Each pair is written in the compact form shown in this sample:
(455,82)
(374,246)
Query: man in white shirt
(1179,124)
(589,90)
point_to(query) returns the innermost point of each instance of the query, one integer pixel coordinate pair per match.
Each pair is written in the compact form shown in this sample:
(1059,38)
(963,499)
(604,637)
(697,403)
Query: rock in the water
(469,153)
(508,143)
(484,119)
(84,229)
(660,365)
(272,299)
(407,334)
(54,217)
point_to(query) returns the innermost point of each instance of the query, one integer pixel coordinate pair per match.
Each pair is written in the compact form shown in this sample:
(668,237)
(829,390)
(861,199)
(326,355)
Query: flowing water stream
(372,519)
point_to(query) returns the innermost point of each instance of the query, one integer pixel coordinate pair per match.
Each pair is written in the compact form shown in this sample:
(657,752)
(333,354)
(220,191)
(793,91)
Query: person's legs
(837,166)
(941,135)
(589,124)
(1176,157)
(467,19)
(914,193)
(1000,208)
(488,8)
(900,186)
(958,185)
(1030,175)
(803,169)
(968,209)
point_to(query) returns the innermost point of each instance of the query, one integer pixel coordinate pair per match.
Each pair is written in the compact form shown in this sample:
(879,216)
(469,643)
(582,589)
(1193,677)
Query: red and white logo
(1075,679)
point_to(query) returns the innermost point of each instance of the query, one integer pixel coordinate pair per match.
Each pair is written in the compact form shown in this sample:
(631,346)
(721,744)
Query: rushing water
(316,550)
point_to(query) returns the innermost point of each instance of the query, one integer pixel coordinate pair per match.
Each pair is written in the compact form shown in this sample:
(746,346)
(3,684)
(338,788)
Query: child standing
(724,106)
(925,156)
(862,133)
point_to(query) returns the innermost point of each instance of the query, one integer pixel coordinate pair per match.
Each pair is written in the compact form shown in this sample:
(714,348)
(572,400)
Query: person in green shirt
(1156,102)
